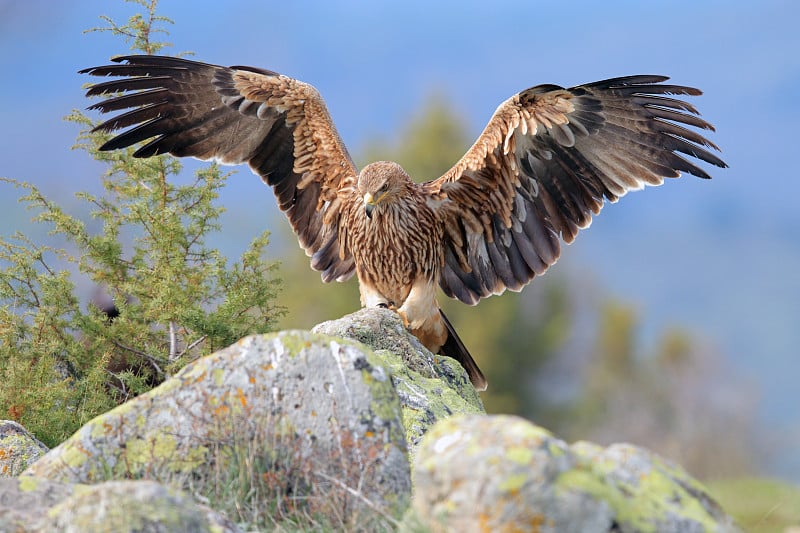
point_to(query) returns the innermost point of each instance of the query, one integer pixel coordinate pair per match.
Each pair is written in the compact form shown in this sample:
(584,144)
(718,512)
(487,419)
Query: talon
(383,305)
(403,317)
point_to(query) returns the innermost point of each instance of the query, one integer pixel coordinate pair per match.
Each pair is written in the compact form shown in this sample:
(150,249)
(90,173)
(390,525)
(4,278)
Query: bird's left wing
(545,163)
(278,125)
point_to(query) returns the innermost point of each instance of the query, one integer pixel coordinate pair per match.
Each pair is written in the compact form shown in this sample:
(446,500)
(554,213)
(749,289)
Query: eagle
(546,162)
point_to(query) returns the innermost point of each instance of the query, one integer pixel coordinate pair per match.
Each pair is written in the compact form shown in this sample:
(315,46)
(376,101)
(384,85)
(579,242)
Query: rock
(33,504)
(502,473)
(323,408)
(430,387)
(18,448)
(317,416)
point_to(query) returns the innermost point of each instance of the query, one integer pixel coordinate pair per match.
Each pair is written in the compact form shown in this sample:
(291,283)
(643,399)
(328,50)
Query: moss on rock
(430,387)
(505,474)
(116,506)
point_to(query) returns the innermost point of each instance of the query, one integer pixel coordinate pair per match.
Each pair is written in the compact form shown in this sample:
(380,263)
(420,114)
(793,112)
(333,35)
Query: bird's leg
(402,314)
(419,305)
(421,316)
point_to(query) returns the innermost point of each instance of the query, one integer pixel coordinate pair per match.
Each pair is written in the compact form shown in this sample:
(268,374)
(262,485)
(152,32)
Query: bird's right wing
(278,125)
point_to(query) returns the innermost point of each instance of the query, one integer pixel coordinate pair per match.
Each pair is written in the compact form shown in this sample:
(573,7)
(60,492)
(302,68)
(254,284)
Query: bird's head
(380,184)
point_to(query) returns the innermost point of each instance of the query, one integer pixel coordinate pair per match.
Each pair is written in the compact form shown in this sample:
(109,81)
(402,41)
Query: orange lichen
(483,523)
(200,377)
(241,396)
(537,521)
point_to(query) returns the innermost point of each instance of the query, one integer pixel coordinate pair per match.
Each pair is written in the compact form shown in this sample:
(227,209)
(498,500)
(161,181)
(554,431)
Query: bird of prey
(545,163)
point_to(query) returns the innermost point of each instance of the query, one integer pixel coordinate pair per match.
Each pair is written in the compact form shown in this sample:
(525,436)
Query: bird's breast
(396,247)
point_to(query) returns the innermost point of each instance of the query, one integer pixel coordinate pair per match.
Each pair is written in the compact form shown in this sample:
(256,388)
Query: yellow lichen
(218,375)
(74,454)
(519,454)
(101,429)
(513,483)
(161,449)
(28,483)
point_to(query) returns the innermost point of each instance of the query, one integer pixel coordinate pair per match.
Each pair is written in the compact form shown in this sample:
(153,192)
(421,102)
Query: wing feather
(546,162)
(277,125)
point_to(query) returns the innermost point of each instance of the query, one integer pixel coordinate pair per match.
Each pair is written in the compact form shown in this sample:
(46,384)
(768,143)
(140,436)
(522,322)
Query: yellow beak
(369,204)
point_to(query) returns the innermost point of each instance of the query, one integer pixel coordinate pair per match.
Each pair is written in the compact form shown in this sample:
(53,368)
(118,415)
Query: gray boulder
(502,473)
(36,505)
(319,410)
(18,448)
(320,417)
(430,387)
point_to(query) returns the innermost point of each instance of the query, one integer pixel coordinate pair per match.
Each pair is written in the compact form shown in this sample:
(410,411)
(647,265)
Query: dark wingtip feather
(453,347)
(626,81)
(255,69)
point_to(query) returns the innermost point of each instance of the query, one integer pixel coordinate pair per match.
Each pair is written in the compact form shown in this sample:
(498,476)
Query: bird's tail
(453,347)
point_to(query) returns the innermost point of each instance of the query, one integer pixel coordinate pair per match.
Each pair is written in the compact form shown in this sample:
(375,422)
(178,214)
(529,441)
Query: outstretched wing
(277,125)
(545,163)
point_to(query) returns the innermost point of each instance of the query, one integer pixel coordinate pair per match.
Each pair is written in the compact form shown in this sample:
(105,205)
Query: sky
(720,257)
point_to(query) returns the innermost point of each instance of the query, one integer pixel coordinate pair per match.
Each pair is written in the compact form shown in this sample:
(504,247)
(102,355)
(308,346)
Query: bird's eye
(384,187)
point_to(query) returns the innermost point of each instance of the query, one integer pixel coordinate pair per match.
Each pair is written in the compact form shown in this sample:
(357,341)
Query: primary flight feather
(545,163)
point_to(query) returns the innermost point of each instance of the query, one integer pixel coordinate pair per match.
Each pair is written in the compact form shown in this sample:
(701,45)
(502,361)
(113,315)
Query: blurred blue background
(721,258)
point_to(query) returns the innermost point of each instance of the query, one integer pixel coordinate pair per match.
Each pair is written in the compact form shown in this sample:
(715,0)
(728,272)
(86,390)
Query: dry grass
(265,477)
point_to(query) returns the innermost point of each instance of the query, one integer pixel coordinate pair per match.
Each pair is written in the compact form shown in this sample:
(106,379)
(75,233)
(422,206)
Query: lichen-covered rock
(37,505)
(502,473)
(327,403)
(430,387)
(18,448)
(25,501)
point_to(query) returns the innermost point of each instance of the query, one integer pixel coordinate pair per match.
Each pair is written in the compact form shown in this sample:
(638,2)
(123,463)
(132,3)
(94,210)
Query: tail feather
(453,347)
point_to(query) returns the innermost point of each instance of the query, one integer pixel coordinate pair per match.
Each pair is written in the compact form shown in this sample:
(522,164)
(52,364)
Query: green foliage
(62,363)
(138,32)
(38,347)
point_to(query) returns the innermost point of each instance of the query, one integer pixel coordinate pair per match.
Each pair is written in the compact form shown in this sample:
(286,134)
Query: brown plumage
(545,163)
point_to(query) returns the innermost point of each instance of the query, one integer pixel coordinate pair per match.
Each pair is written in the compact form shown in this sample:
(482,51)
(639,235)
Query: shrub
(63,360)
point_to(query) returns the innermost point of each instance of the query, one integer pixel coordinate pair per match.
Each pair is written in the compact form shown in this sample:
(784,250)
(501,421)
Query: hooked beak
(369,204)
